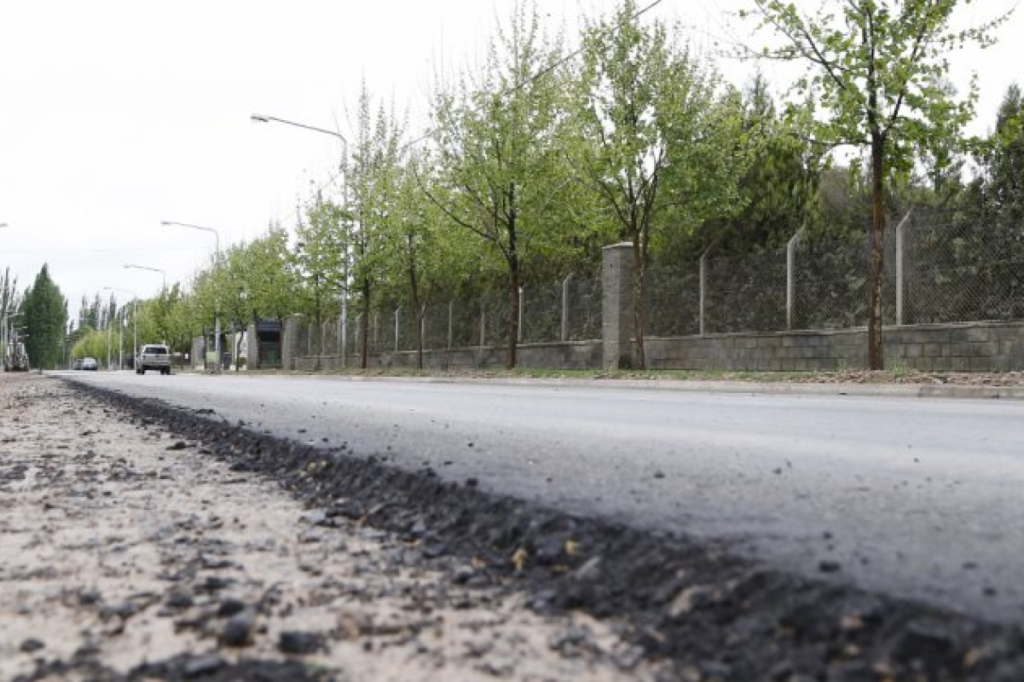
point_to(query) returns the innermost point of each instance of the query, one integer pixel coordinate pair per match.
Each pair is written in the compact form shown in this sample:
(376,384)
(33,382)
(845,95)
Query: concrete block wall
(969,347)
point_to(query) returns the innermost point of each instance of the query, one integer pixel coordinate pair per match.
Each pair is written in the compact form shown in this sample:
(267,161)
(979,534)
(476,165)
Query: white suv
(154,356)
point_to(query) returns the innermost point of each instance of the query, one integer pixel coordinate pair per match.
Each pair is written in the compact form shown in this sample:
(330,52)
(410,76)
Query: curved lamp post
(263,118)
(135,323)
(216,297)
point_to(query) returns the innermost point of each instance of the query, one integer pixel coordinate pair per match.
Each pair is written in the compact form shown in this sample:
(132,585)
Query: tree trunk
(514,280)
(318,340)
(876,355)
(414,290)
(513,316)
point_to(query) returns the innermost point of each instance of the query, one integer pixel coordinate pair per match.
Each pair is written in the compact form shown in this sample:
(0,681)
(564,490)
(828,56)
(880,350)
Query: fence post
(423,324)
(791,278)
(483,324)
(344,332)
(702,280)
(398,312)
(451,314)
(519,325)
(376,329)
(360,321)
(565,307)
(900,292)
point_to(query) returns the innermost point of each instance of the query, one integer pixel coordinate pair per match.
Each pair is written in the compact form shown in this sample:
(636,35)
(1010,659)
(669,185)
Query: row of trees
(543,155)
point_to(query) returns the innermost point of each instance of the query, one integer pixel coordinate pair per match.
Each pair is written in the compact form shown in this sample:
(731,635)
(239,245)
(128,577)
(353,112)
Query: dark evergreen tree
(44,316)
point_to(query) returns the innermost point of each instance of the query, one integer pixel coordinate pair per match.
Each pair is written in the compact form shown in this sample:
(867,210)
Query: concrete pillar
(252,348)
(199,353)
(290,341)
(617,306)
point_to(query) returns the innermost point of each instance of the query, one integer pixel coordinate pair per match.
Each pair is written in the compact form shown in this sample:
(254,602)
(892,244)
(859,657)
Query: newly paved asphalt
(922,498)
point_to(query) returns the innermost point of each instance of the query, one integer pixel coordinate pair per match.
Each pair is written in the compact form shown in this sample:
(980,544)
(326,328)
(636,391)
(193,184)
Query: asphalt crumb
(690,603)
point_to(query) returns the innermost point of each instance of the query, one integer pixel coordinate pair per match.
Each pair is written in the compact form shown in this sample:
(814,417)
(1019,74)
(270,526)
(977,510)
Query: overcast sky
(118,114)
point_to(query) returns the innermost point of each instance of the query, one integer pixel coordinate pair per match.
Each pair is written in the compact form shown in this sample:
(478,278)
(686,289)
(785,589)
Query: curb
(947,391)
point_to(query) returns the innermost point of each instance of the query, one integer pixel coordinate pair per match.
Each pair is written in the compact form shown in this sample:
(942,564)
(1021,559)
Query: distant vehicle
(90,364)
(15,357)
(77,364)
(154,356)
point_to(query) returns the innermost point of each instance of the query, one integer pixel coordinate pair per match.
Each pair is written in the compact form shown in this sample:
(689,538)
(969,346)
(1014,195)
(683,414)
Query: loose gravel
(598,597)
(126,553)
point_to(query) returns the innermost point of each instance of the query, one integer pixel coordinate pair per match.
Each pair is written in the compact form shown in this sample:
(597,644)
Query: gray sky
(118,114)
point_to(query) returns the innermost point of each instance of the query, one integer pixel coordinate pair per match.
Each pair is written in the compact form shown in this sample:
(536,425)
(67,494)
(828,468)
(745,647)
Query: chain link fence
(584,307)
(672,299)
(745,293)
(939,268)
(959,269)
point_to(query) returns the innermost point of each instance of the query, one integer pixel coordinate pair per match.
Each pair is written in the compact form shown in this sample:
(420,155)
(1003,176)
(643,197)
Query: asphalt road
(914,497)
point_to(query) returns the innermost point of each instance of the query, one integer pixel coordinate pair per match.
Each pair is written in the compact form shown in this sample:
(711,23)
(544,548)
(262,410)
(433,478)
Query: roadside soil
(902,377)
(126,552)
(154,541)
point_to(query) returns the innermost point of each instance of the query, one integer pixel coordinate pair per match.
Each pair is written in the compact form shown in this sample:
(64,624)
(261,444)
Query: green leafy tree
(497,134)
(1004,164)
(876,71)
(45,314)
(320,257)
(659,144)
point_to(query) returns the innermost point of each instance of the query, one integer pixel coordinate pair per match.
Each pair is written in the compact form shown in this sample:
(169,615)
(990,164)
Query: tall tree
(1004,164)
(497,139)
(45,316)
(10,301)
(660,144)
(877,69)
(320,256)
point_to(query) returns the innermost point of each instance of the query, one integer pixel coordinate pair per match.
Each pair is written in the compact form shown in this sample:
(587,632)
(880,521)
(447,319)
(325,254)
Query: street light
(132,266)
(263,118)
(135,325)
(216,293)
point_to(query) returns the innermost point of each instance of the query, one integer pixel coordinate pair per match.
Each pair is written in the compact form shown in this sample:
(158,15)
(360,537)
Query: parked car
(154,356)
(90,364)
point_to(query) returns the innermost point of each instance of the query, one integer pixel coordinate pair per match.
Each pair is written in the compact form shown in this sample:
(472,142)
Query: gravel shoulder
(125,552)
(164,543)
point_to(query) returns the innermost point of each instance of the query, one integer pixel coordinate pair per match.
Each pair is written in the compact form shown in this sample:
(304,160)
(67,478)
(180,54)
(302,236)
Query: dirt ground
(127,553)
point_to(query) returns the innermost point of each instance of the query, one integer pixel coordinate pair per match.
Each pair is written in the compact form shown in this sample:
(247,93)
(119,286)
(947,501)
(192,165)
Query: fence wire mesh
(435,327)
(745,293)
(959,269)
(672,299)
(955,269)
(542,313)
(584,308)
(496,310)
(830,284)
(465,323)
